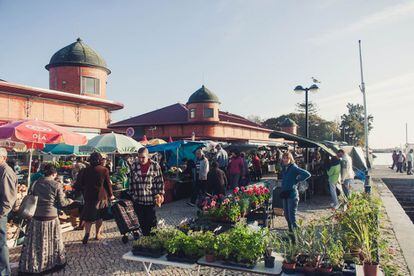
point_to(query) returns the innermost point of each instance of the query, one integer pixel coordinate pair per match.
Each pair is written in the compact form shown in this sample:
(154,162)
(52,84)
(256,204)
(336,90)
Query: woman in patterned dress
(43,250)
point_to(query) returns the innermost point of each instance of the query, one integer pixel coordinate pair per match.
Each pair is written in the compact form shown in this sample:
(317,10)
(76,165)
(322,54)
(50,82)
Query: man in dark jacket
(216,180)
(8,193)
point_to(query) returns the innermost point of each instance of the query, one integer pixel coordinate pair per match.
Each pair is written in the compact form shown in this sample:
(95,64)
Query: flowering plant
(257,195)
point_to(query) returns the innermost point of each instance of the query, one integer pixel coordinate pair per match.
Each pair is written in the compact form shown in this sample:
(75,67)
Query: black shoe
(85,239)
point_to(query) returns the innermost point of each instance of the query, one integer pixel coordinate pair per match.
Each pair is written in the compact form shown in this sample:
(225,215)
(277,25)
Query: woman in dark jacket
(216,180)
(97,191)
(43,250)
(291,176)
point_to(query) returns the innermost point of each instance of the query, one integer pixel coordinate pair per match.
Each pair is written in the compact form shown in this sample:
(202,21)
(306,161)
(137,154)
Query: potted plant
(148,246)
(273,243)
(185,248)
(290,253)
(210,246)
(369,251)
(245,246)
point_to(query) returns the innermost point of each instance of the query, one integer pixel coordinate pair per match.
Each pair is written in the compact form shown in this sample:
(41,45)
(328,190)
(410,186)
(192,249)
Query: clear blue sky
(250,53)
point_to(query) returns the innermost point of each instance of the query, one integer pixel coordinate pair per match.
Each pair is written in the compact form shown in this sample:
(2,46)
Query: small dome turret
(77,54)
(203,95)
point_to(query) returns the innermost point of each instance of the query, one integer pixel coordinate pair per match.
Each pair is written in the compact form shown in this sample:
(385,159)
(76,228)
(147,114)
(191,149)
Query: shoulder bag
(28,206)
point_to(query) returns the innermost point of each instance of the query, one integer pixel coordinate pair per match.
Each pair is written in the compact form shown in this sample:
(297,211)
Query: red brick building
(201,117)
(76,96)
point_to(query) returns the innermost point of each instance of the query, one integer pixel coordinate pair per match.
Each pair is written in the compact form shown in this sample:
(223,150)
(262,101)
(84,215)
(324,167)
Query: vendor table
(148,261)
(258,269)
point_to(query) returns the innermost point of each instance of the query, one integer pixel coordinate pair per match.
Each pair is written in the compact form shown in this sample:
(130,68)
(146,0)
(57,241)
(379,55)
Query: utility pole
(362,88)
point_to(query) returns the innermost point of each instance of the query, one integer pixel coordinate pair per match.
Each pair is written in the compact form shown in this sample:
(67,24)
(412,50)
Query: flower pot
(308,268)
(210,258)
(269,262)
(288,268)
(289,265)
(327,269)
(370,269)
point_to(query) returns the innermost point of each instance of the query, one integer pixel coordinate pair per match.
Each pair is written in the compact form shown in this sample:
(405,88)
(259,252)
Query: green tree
(312,108)
(353,122)
(319,129)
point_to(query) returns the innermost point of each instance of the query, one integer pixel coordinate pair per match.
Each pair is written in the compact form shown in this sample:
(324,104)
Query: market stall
(177,185)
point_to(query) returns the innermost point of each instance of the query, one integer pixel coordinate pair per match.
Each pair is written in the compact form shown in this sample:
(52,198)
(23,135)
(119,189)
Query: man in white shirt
(347,172)
(410,162)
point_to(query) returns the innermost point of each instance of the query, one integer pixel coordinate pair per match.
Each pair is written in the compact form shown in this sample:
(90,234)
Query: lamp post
(300,89)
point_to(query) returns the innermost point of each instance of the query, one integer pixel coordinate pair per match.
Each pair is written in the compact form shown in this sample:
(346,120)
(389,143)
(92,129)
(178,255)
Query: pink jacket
(236,165)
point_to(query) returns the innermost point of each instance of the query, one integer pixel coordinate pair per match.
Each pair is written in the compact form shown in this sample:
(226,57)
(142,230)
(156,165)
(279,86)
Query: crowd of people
(402,162)
(43,248)
(221,172)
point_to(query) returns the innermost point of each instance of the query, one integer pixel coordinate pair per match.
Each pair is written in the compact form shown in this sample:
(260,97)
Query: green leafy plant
(243,244)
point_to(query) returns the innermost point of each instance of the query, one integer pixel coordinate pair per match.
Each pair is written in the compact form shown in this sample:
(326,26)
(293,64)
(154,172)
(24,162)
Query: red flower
(221,195)
(243,188)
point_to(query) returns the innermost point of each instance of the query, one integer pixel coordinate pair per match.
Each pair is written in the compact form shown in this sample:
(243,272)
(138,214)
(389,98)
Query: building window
(208,113)
(192,113)
(90,85)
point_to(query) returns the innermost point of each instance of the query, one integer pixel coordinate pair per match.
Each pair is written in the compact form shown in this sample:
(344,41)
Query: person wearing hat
(8,194)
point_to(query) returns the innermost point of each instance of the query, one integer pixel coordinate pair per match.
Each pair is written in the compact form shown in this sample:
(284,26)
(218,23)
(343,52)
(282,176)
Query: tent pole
(30,166)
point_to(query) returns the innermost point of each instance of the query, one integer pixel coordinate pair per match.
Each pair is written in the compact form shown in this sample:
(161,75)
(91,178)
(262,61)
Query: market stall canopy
(40,132)
(63,149)
(185,149)
(37,134)
(18,146)
(112,143)
(156,141)
(241,147)
(144,140)
(301,141)
(358,157)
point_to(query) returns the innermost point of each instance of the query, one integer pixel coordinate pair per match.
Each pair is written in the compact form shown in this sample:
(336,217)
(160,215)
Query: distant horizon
(250,54)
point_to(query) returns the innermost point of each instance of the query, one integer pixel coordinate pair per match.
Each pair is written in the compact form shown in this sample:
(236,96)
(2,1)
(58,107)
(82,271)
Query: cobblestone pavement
(105,257)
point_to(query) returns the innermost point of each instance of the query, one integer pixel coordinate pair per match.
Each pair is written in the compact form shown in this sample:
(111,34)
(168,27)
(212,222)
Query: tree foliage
(319,129)
(353,122)
(312,108)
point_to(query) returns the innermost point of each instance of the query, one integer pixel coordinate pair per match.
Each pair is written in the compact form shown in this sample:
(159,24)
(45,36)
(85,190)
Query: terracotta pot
(324,269)
(210,258)
(309,268)
(370,269)
(289,266)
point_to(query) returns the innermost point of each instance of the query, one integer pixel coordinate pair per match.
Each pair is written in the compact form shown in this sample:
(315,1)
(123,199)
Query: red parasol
(36,133)
(39,132)
(144,140)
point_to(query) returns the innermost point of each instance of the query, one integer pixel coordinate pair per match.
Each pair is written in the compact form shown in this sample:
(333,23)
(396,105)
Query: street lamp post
(300,89)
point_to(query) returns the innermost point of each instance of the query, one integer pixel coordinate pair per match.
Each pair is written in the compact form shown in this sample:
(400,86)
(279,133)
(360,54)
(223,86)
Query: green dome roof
(77,54)
(288,123)
(203,95)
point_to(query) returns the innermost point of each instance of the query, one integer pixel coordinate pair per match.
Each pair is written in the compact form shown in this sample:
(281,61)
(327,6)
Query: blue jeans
(4,250)
(290,206)
(347,186)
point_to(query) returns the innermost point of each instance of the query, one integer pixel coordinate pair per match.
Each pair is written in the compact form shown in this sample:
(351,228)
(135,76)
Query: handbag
(28,206)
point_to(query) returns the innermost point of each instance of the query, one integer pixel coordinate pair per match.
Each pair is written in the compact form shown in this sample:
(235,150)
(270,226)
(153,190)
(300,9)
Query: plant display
(120,177)
(186,246)
(236,205)
(242,244)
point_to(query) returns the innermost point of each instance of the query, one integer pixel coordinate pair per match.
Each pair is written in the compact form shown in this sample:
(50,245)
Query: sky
(250,53)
